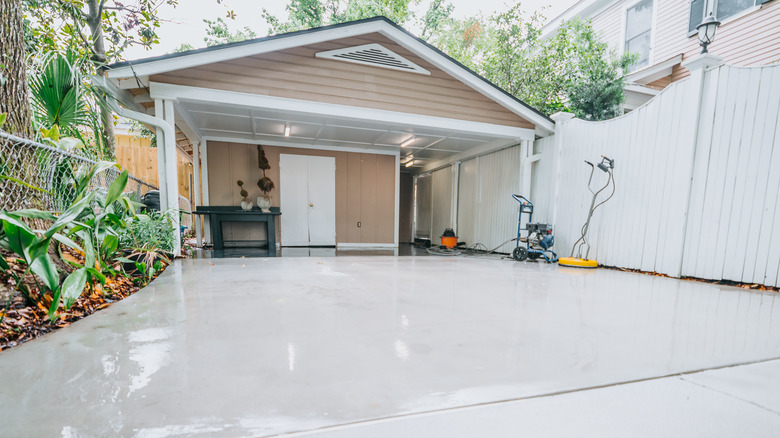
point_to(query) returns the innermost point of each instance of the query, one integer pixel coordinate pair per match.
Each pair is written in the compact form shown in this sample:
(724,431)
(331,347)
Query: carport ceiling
(216,121)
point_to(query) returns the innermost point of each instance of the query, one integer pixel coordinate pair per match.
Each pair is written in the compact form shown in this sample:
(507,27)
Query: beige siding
(753,39)
(365,189)
(297,74)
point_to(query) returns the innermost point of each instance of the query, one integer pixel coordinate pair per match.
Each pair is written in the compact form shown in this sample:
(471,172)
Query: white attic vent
(374,55)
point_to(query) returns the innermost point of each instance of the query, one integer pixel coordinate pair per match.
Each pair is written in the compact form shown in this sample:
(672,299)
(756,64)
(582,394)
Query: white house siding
(752,39)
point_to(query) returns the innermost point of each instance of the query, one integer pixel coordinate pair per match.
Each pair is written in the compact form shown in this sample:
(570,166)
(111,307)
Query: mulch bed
(22,322)
(752,286)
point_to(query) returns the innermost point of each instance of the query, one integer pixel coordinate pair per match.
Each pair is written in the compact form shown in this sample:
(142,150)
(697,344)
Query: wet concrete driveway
(434,346)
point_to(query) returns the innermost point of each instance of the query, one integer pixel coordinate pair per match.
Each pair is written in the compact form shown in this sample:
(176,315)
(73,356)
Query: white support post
(171,175)
(159,112)
(414,207)
(397,197)
(560,119)
(454,203)
(196,191)
(205,181)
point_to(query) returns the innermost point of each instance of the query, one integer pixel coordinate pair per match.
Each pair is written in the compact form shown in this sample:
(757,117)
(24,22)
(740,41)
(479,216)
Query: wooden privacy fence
(697,171)
(139,158)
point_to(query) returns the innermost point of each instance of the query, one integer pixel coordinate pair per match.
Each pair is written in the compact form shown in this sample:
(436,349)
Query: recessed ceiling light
(409,163)
(407,142)
(286,130)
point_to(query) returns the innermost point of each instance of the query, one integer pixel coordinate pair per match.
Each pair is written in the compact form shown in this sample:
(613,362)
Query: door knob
(311,205)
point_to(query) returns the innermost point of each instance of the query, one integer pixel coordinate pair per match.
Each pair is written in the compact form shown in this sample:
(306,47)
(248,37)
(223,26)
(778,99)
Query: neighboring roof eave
(656,71)
(177,61)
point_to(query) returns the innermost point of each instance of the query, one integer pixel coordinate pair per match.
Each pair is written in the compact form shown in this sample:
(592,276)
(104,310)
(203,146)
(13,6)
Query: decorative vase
(264,202)
(246,205)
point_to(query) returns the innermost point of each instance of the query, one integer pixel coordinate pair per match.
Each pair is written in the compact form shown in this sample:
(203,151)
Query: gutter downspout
(169,139)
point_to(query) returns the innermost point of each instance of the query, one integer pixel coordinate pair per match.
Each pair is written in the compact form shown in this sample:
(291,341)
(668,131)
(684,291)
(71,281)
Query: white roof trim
(181,92)
(544,125)
(641,89)
(374,55)
(655,71)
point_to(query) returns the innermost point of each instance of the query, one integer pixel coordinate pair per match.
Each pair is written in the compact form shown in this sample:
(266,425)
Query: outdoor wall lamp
(707,30)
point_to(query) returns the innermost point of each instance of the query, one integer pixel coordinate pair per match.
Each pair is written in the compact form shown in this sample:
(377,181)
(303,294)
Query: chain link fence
(34,175)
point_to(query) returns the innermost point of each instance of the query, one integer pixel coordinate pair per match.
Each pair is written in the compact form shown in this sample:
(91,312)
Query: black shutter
(697,15)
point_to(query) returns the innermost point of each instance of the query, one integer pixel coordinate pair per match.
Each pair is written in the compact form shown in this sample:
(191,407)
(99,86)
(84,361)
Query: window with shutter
(696,16)
(721,9)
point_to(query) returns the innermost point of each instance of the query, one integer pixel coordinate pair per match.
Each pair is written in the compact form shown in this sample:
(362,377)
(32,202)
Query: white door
(307,200)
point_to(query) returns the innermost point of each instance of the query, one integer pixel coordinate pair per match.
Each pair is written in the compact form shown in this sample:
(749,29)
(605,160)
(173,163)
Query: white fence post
(560,119)
(698,66)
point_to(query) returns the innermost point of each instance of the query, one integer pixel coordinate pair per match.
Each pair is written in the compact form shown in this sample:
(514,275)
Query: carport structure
(368,94)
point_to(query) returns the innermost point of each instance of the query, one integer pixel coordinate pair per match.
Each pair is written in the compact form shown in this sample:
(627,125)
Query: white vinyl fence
(697,171)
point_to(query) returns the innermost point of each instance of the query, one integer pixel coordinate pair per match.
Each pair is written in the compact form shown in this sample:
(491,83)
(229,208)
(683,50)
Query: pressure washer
(606,165)
(539,238)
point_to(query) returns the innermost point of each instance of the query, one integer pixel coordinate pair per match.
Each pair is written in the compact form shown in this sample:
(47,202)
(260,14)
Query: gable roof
(224,52)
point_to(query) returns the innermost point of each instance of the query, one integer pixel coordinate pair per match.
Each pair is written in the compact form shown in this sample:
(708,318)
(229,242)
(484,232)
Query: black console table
(218,215)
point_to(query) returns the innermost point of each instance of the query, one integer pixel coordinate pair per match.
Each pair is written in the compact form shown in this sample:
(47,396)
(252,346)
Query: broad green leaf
(73,286)
(44,268)
(52,133)
(89,247)
(70,144)
(116,188)
(3,263)
(19,239)
(69,215)
(39,248)
(10,217)
(35,214)
(55,304)
(3,116)
(109,245)
(67,241)
(98,275)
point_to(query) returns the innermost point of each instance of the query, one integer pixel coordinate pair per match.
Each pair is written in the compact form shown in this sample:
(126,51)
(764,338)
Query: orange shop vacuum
(449,239)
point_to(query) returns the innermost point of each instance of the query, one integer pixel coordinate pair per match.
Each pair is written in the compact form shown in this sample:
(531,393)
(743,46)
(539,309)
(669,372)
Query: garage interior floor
(383,346)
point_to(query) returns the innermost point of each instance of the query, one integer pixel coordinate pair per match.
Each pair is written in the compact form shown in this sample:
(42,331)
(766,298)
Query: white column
(196,192)
(171,175)
(397,197)
(159,112)
(454,202)
(414,207)
(204,158)
(560,119)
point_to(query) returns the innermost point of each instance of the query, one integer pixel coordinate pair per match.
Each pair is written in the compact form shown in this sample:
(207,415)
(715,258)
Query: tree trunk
(14,95)
(99,59)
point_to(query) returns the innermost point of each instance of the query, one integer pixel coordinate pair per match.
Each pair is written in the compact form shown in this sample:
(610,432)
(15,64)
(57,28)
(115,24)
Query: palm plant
(58,95)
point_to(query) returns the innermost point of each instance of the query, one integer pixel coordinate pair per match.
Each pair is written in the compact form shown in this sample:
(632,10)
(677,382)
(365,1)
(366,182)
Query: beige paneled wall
(298,74)
(365,189)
